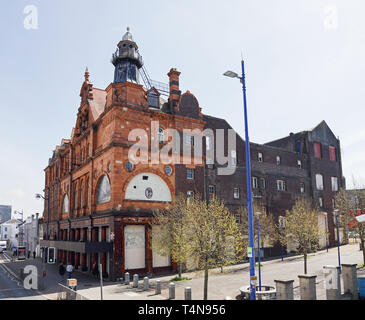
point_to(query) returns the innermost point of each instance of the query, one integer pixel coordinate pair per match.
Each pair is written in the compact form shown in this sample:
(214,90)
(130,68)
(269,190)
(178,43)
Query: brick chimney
(174,84)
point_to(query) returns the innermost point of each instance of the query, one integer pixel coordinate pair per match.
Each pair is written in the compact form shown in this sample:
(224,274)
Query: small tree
(268,232)
(343,204)
(301,225)
(171,238)
(357,207)
(213,235)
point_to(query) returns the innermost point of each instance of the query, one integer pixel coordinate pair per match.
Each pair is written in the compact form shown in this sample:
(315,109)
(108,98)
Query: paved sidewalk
(220,284)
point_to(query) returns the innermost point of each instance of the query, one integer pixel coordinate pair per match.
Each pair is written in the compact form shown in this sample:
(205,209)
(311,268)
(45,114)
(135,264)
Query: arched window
(75,197)
(65,204)
(87,193)
(103,190)
(82,195)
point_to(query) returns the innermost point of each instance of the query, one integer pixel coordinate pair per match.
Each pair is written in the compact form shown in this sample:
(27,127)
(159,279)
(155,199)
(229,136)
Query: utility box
(72,284)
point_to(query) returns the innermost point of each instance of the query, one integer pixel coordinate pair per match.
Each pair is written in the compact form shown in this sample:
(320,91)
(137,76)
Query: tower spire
(87,74)
(126,60)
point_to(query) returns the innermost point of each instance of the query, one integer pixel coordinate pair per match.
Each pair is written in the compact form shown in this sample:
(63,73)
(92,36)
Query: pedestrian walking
(28,254)
(69,270)
(33,254)
(61,271)
(95,270)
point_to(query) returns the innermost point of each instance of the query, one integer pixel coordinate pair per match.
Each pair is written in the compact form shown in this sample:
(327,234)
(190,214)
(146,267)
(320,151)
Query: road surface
(11,289)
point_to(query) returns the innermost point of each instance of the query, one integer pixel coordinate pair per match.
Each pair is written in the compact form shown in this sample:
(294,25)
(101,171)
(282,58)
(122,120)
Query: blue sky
(304,63)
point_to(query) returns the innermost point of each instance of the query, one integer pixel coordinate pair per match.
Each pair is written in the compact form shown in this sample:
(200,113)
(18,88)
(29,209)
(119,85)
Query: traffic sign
(249,252)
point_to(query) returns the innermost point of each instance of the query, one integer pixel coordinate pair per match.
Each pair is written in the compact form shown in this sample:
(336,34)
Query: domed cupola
(127,60)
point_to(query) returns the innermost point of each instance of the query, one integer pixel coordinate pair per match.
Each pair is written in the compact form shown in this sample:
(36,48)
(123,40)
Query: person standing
(33,254)
(61,271)
(69,270)
(95,270)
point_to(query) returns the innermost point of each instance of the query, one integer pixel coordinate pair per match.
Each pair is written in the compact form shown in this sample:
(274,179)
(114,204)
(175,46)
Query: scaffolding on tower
(161,87)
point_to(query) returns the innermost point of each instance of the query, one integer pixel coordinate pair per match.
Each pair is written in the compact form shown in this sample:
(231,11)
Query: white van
(2,246)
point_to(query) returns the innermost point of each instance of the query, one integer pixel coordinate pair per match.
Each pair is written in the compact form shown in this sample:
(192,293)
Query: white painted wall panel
(134,246)
(136,189)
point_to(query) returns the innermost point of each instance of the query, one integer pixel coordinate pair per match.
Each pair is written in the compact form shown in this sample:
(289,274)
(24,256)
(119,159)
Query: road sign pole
(101,280)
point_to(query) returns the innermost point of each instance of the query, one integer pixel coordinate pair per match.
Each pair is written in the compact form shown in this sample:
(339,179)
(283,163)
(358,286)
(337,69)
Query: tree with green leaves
(268,232)
(349,205)
(345,217)
(213,235)
(301,226)
(171,239)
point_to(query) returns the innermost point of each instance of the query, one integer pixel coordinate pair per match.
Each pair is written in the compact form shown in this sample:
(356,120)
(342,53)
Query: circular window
(168,170)
(129,166)
(149,193)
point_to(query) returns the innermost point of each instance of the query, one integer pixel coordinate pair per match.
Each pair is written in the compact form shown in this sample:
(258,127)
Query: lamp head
(38,196)
(231,74)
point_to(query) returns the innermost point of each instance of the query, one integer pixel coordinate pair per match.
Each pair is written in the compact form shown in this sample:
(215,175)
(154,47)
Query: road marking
(1,290)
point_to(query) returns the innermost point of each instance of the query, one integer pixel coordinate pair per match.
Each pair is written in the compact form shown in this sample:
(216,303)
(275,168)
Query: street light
(325,214)
(250,250)
(336,213)
(258,246)
(39,196)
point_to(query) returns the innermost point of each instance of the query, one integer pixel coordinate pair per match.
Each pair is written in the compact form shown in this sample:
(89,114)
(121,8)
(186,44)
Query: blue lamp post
(335,212)
(258,246)
(250,250)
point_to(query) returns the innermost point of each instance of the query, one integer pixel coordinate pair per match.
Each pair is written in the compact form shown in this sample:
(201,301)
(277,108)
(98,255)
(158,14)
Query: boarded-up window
(319,181)
(332,153)
(317,150)
(334,183)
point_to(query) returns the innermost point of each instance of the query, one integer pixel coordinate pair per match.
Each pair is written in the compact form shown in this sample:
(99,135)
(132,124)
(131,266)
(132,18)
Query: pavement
(220,284)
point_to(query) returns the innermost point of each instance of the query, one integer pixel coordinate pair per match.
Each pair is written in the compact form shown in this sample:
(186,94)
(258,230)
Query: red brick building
(99,205)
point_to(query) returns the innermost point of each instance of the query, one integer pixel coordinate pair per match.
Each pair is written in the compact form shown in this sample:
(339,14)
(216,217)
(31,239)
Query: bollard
(127,278)
(172,290)
(332,282)
(158,286)
(188,293)
(284,289)
(135,281)
(307,287)
(349,277)
(146,284)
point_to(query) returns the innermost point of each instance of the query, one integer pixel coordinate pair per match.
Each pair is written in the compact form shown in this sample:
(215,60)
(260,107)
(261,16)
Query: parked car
(2,246)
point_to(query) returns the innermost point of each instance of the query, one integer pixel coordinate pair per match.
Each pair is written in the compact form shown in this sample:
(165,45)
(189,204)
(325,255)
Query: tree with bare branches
(213,235)
(268,232)
(301,226)
(171,240)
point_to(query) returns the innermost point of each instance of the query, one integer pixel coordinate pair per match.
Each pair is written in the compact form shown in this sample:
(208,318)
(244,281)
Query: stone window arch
(65,203)
(103,190)
(148,187)
(82,195)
